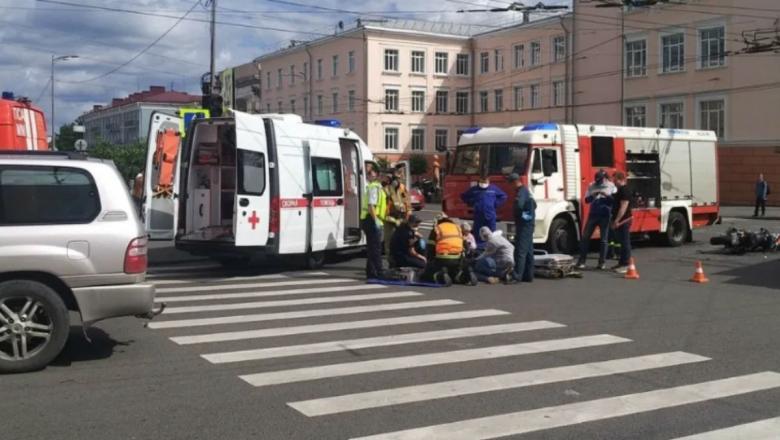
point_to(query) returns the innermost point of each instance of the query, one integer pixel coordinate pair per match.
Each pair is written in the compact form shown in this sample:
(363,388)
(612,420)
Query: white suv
(70,239)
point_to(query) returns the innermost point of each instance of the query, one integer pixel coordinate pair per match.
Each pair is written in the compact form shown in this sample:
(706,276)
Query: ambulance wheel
(562,238)
(314,260)
(676,229)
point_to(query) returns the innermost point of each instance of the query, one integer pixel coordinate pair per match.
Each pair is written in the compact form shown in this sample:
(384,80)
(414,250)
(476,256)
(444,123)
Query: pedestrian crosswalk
(286,332)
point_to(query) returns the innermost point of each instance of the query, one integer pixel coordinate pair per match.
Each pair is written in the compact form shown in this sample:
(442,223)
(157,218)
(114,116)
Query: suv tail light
(274,220)
(135,257)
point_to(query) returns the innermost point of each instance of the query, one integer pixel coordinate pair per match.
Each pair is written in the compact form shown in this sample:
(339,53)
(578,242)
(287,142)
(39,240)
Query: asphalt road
(593,358)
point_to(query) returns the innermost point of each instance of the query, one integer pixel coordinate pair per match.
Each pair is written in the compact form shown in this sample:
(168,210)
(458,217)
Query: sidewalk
(746,212)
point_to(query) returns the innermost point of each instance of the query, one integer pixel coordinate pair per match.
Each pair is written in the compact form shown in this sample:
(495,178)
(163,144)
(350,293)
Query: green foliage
(66,138)
(129,159)
(418,164)
(383,163)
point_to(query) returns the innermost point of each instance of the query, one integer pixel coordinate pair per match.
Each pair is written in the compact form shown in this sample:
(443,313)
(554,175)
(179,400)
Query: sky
(119,52)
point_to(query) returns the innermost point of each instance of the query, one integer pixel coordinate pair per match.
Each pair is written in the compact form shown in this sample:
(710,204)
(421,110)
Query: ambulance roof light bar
(8,95)
(541,126)
(335,123)
(472,130)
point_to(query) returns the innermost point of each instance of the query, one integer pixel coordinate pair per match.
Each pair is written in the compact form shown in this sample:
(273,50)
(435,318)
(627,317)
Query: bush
(383,163)
(129,159)
(418,164)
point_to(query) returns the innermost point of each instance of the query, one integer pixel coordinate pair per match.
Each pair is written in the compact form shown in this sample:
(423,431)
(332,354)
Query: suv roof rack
(71,155)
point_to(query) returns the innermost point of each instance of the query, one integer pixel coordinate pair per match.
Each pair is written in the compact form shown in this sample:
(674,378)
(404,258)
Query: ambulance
(22,125)
(250,184)
(672,176)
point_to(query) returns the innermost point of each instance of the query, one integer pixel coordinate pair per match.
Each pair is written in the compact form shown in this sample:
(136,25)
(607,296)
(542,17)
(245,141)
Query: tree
(383,163)
(129,159)
(418,164)
(66,138)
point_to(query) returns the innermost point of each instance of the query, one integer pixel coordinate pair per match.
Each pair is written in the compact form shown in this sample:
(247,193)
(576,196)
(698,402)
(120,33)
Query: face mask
(483,185)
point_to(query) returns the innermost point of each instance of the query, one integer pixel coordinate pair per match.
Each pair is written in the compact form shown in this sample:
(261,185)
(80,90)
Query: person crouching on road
(405,245)
(525,213)
(372,214)
(497,262)
(448,263)
(600,198)
(399,208)
(485,198)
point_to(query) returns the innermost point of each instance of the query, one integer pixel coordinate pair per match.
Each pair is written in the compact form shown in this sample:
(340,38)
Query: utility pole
(213,42)
(54,59)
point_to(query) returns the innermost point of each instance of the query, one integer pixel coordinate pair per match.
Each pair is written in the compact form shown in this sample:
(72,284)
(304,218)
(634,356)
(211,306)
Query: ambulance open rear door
(161,177)
(253,193)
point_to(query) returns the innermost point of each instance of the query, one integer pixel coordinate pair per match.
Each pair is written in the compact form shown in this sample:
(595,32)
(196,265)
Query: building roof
(155,95)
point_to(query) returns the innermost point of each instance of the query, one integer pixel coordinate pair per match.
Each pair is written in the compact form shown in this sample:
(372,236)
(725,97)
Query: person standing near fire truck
(484,198)
(599,196)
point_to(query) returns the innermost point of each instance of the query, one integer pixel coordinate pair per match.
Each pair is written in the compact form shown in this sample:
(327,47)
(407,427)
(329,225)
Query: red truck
(22,125)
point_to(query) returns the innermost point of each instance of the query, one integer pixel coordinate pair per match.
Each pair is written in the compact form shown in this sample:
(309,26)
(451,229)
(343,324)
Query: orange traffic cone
(632,273)
(698,276)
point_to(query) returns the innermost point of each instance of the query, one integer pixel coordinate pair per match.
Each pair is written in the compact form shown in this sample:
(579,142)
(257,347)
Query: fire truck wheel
(562,238)
(314,260)
(676,229)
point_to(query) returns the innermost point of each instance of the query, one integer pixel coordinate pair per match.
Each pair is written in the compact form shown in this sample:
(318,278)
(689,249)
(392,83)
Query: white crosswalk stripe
(575,413)
(289,302)
(381,341)
(768,429)
(300,314)
(336,326)
(211,281)
(483,384)
(252,294)
(202,288)
(416,361)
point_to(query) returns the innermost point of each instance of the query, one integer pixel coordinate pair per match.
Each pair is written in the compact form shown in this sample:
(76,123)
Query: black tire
(676,230)
(563,237)
(49,311)
(314,260)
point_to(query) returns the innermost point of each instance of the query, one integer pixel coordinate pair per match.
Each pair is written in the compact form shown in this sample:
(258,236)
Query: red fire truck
(672,175)
(22,125)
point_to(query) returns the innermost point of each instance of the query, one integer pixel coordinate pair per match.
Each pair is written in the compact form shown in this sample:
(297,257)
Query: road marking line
(484,384)
(576,413)
(330,327)
(289,302)
(381,341)
(428,359)
(181,323)
(254,285)
(768,429)
(223,296)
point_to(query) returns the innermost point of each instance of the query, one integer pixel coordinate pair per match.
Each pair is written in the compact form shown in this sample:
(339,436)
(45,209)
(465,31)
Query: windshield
(491,159)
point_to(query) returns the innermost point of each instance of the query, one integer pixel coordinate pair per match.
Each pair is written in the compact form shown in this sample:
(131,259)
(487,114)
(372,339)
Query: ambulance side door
(327,196)
(252,204)
(160,205)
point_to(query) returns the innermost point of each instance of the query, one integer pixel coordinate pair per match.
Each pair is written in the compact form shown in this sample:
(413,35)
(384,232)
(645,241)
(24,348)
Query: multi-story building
(240,88)
(126,120)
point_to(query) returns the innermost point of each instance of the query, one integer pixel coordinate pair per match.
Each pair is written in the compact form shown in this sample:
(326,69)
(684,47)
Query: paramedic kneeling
(497,262)
(372,214)
(404,245)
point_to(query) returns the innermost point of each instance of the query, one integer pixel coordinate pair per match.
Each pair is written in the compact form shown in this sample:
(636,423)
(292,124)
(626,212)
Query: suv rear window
(47,195)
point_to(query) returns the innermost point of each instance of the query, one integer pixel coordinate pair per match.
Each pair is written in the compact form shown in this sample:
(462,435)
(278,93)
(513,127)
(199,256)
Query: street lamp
(54,59)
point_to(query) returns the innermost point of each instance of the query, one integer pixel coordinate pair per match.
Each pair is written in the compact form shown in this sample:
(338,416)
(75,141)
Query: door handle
(200,210)
(243,202)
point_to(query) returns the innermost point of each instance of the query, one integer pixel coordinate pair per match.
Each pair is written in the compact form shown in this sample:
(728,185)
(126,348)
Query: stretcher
(554,265)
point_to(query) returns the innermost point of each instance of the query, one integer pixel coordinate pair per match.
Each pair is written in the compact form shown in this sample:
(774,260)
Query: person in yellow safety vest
(399,208)
(372,216)
(448,264)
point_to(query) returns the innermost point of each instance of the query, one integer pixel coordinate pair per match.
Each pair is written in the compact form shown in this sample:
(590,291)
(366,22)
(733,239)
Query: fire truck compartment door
(160,207)
(252,202)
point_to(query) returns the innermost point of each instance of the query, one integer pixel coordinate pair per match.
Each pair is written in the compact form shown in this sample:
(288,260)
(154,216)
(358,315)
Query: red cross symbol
(254,220)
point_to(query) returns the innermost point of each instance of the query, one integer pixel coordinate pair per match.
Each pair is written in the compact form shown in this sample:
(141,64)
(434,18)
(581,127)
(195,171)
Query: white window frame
(437,136)
(710,25)
(661,67)
(630,68)
(536,53)
(351,64)
(351,101)
(484,63)
(420,130)
(535,103)
(319,69)
(335,103)
(393,102)
(712,97)
(279,108)
(412,60)
(395,132)
(418,102)
(458,58)
(459,94)
(305,71)
(387,60)
(521,104)
(484,101)
(660,121)
(498,60)
(334,64)
(320,105)
(518,62)
(498,100)
(438,57)
(279,78)
(631,105)
(292,75)
(292,106)
(554,48)
(268,81)
(446,101)
(558,98)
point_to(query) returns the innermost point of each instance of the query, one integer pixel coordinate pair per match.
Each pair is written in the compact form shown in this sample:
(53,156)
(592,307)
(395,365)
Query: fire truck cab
(22,125)
(672,175)
(256,184)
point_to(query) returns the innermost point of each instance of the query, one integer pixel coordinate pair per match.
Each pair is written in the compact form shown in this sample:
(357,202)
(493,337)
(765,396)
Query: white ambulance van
(249,185)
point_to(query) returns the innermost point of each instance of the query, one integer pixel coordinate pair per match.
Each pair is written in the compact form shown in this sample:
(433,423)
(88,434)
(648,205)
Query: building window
(673,52)
(335,103)
(292,74)
(351,101)
(458,134)
(279,107)
(442,106)
(391,100)
(418,101)
(440,142)
(672,115)
(519,56)
(559,48)
(713,47)
(484,62)
(319,105)
(305,72)
(536,53)
(498,59)
(306,106)
(279,78)
(391,138)
(535,96)
(319,69)
(712,116)
(559,93)
(636,116)
(418,139)
(418,61)
(335,65)
(462,102)
(292,106)
(442,63)
(498,101)
(462,64)
(391,62)
(351,61)
(268,107)
(483,101)
(268,80)
(636,58)
(518,98)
